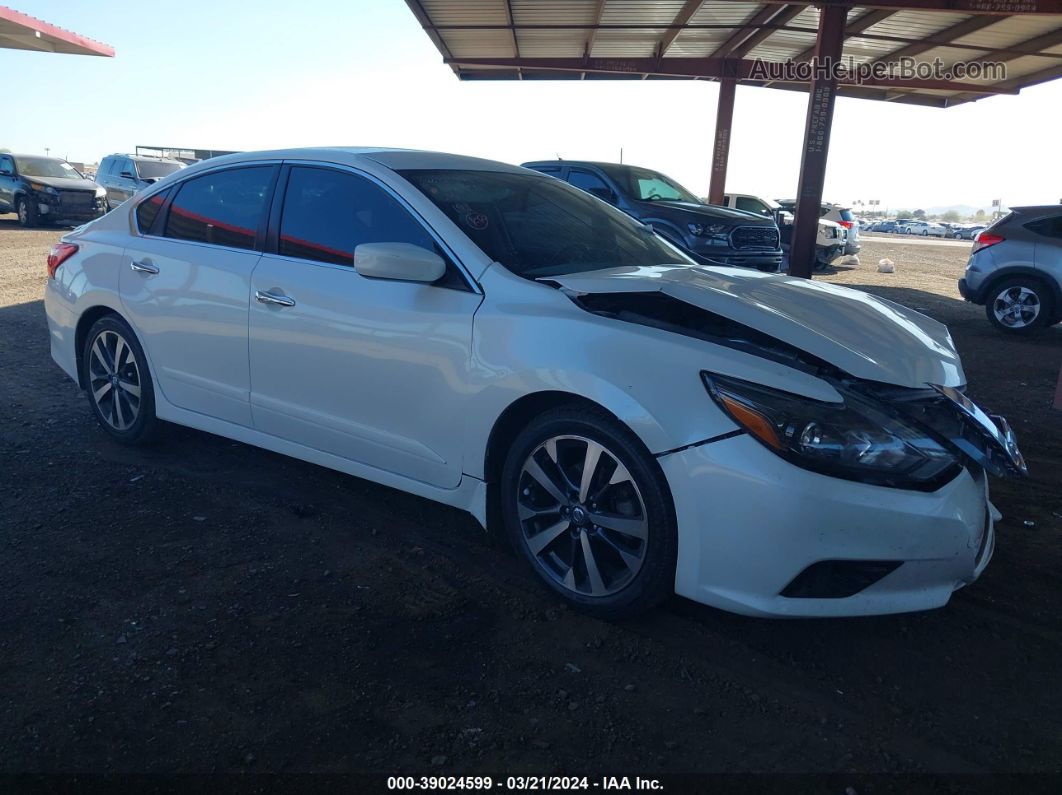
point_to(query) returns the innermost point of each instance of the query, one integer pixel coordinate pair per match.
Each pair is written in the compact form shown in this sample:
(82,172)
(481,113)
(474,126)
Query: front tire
(1020,305)
(118,383)
(28,216)
(588,508)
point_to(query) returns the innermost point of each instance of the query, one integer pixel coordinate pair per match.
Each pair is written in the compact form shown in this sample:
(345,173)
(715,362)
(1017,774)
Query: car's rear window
(846,215)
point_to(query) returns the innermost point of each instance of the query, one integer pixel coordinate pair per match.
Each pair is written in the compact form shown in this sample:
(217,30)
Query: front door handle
(264,297)
(143,267)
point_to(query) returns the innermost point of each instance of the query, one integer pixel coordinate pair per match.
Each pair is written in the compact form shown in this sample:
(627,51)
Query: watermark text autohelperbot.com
(851,71)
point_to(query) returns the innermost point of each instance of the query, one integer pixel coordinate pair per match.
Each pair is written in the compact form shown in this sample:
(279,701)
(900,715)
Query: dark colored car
(47,190)
(710,234)
(1015,269)
(970,232)
(125,175)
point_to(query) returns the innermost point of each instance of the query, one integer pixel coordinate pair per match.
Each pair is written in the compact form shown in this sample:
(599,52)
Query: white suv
(830,238)
(484,335)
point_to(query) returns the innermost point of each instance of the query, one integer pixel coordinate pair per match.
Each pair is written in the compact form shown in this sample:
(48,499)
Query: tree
(979,215)
(919,214)
(951,217)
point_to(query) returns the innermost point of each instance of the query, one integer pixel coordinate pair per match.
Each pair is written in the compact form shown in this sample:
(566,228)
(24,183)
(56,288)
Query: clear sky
(274,73)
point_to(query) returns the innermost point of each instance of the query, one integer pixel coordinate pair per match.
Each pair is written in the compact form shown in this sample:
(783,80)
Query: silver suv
(126,175)
(1015,269)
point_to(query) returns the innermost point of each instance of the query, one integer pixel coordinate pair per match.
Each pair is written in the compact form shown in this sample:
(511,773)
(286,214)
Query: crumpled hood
(863,335)
(65,183)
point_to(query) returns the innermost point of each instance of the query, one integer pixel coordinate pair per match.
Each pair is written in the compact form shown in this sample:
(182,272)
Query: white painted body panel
(866,336)
(402,383)
(371,370)
(192,316)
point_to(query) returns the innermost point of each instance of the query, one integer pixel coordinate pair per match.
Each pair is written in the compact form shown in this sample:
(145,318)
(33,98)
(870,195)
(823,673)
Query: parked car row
(911,226)
(49,190)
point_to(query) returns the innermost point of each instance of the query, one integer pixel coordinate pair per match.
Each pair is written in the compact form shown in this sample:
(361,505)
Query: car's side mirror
(127,175)
(604,194)
(6,172)
(399,261)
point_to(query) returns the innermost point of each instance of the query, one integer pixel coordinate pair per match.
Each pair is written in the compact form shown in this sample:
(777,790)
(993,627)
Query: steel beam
(724,117)
(817,128)
(681,20)
(855,27)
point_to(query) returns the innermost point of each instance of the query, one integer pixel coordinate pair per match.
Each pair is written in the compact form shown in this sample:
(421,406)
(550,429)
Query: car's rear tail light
(59,254)
(845,224)
(984,240)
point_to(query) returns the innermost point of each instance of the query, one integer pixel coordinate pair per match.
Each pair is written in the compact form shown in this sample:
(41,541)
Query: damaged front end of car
(893,435)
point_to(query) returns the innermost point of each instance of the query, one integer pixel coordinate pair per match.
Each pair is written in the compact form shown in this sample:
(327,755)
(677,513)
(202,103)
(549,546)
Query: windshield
(151,169)
(645,185)
(45,167)
(538,226)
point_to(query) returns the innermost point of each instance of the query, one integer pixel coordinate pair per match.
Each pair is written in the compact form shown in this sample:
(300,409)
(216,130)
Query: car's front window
(149,169)
(646,185)
(538,226)
(45,167)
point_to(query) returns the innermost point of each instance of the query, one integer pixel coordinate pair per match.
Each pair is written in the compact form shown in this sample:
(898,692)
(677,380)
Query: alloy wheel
(1016,307)
(114,380)
(582,516)
(23,213)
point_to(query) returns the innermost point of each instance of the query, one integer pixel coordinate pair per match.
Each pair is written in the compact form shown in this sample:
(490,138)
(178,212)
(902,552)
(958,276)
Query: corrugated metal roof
(20,31)
(526,39)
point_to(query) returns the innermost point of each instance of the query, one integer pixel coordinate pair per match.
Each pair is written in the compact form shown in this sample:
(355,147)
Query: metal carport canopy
(732,41)
(20,31)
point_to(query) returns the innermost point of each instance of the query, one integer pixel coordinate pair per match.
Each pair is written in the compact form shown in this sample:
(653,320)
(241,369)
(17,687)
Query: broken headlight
(855,439)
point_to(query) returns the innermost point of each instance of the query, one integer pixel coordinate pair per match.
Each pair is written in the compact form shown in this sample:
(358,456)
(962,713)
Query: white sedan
(492,338)
(926,229)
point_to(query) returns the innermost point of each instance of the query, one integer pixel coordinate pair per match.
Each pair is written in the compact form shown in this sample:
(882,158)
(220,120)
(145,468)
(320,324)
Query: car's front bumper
(749,523)
(54,209)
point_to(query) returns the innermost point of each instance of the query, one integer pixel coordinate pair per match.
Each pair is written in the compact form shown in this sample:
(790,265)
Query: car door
(185,281)
(371,370)
(125,180)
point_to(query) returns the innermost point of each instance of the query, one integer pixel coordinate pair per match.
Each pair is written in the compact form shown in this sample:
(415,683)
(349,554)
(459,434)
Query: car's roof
(598,163)
(1028,209)
(26,154)
(152,158)
(394,159)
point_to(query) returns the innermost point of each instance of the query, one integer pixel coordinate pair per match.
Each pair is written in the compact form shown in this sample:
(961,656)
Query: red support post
(724,115)
(816,141)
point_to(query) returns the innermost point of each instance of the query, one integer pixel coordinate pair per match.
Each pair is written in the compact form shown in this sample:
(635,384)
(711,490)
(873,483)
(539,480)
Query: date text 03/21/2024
(523,783)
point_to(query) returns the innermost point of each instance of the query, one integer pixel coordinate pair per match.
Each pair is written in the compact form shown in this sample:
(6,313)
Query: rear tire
(117,382)
(606,543)
(28,217)
(1020,305)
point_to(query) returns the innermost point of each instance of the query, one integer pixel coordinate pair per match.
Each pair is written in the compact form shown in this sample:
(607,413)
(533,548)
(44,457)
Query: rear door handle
(143,267)
(264,297)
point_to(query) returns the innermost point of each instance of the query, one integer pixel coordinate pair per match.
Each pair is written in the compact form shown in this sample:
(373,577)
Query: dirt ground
(204,606)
